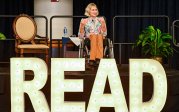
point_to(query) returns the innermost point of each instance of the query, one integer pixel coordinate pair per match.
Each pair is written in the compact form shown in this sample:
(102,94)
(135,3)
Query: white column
(49,9)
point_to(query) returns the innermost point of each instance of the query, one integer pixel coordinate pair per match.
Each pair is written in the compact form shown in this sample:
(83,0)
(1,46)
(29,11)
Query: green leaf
(2,36)
(154,42)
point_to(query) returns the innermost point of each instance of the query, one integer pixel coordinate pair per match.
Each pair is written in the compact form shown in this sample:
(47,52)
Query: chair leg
(46,56)
(22,53)
(87,53)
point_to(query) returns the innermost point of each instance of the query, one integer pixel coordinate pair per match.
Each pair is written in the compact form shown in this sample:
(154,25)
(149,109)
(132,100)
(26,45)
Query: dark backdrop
(111,8)
(13,7)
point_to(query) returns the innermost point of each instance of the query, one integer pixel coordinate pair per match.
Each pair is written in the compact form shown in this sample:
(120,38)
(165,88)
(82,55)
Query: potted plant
(2,36)
(155,43)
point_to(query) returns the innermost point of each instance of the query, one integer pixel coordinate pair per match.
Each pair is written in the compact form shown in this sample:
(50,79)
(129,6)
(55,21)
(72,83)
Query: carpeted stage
(172,104)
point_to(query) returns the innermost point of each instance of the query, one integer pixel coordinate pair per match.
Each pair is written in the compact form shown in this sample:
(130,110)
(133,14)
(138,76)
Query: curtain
(13,7)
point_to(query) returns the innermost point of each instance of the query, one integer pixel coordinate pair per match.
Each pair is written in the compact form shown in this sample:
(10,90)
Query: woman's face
(93,11)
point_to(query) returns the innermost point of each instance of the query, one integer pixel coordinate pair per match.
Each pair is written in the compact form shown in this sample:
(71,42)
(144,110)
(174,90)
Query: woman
(94,29)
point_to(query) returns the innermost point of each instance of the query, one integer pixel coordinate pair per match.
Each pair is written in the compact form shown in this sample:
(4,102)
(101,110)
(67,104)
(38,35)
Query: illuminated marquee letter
(116,99)
(59,85)
(19,86)
(137,68)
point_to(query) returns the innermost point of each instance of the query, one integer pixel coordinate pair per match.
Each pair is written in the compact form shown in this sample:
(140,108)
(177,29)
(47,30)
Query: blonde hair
(88,8)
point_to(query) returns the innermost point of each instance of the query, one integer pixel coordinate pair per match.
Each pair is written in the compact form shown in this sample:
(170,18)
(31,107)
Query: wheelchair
(84,49)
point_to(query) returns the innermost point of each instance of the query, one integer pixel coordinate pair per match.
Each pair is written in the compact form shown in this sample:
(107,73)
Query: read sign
(59,85)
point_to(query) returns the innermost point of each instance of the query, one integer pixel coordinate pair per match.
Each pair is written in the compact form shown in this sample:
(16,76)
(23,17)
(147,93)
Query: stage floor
(172,104)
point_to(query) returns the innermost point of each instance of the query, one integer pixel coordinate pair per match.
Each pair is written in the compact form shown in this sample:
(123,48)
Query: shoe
(91,62)
(97,61)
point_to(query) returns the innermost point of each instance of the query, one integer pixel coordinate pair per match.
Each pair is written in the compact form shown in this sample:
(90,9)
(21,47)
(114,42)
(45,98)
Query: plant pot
(158,58)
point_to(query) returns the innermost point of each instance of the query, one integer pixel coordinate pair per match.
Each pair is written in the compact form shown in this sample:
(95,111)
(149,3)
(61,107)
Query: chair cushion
(36,46)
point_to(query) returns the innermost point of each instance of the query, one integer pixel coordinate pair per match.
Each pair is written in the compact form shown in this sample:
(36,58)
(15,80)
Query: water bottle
(65,32)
